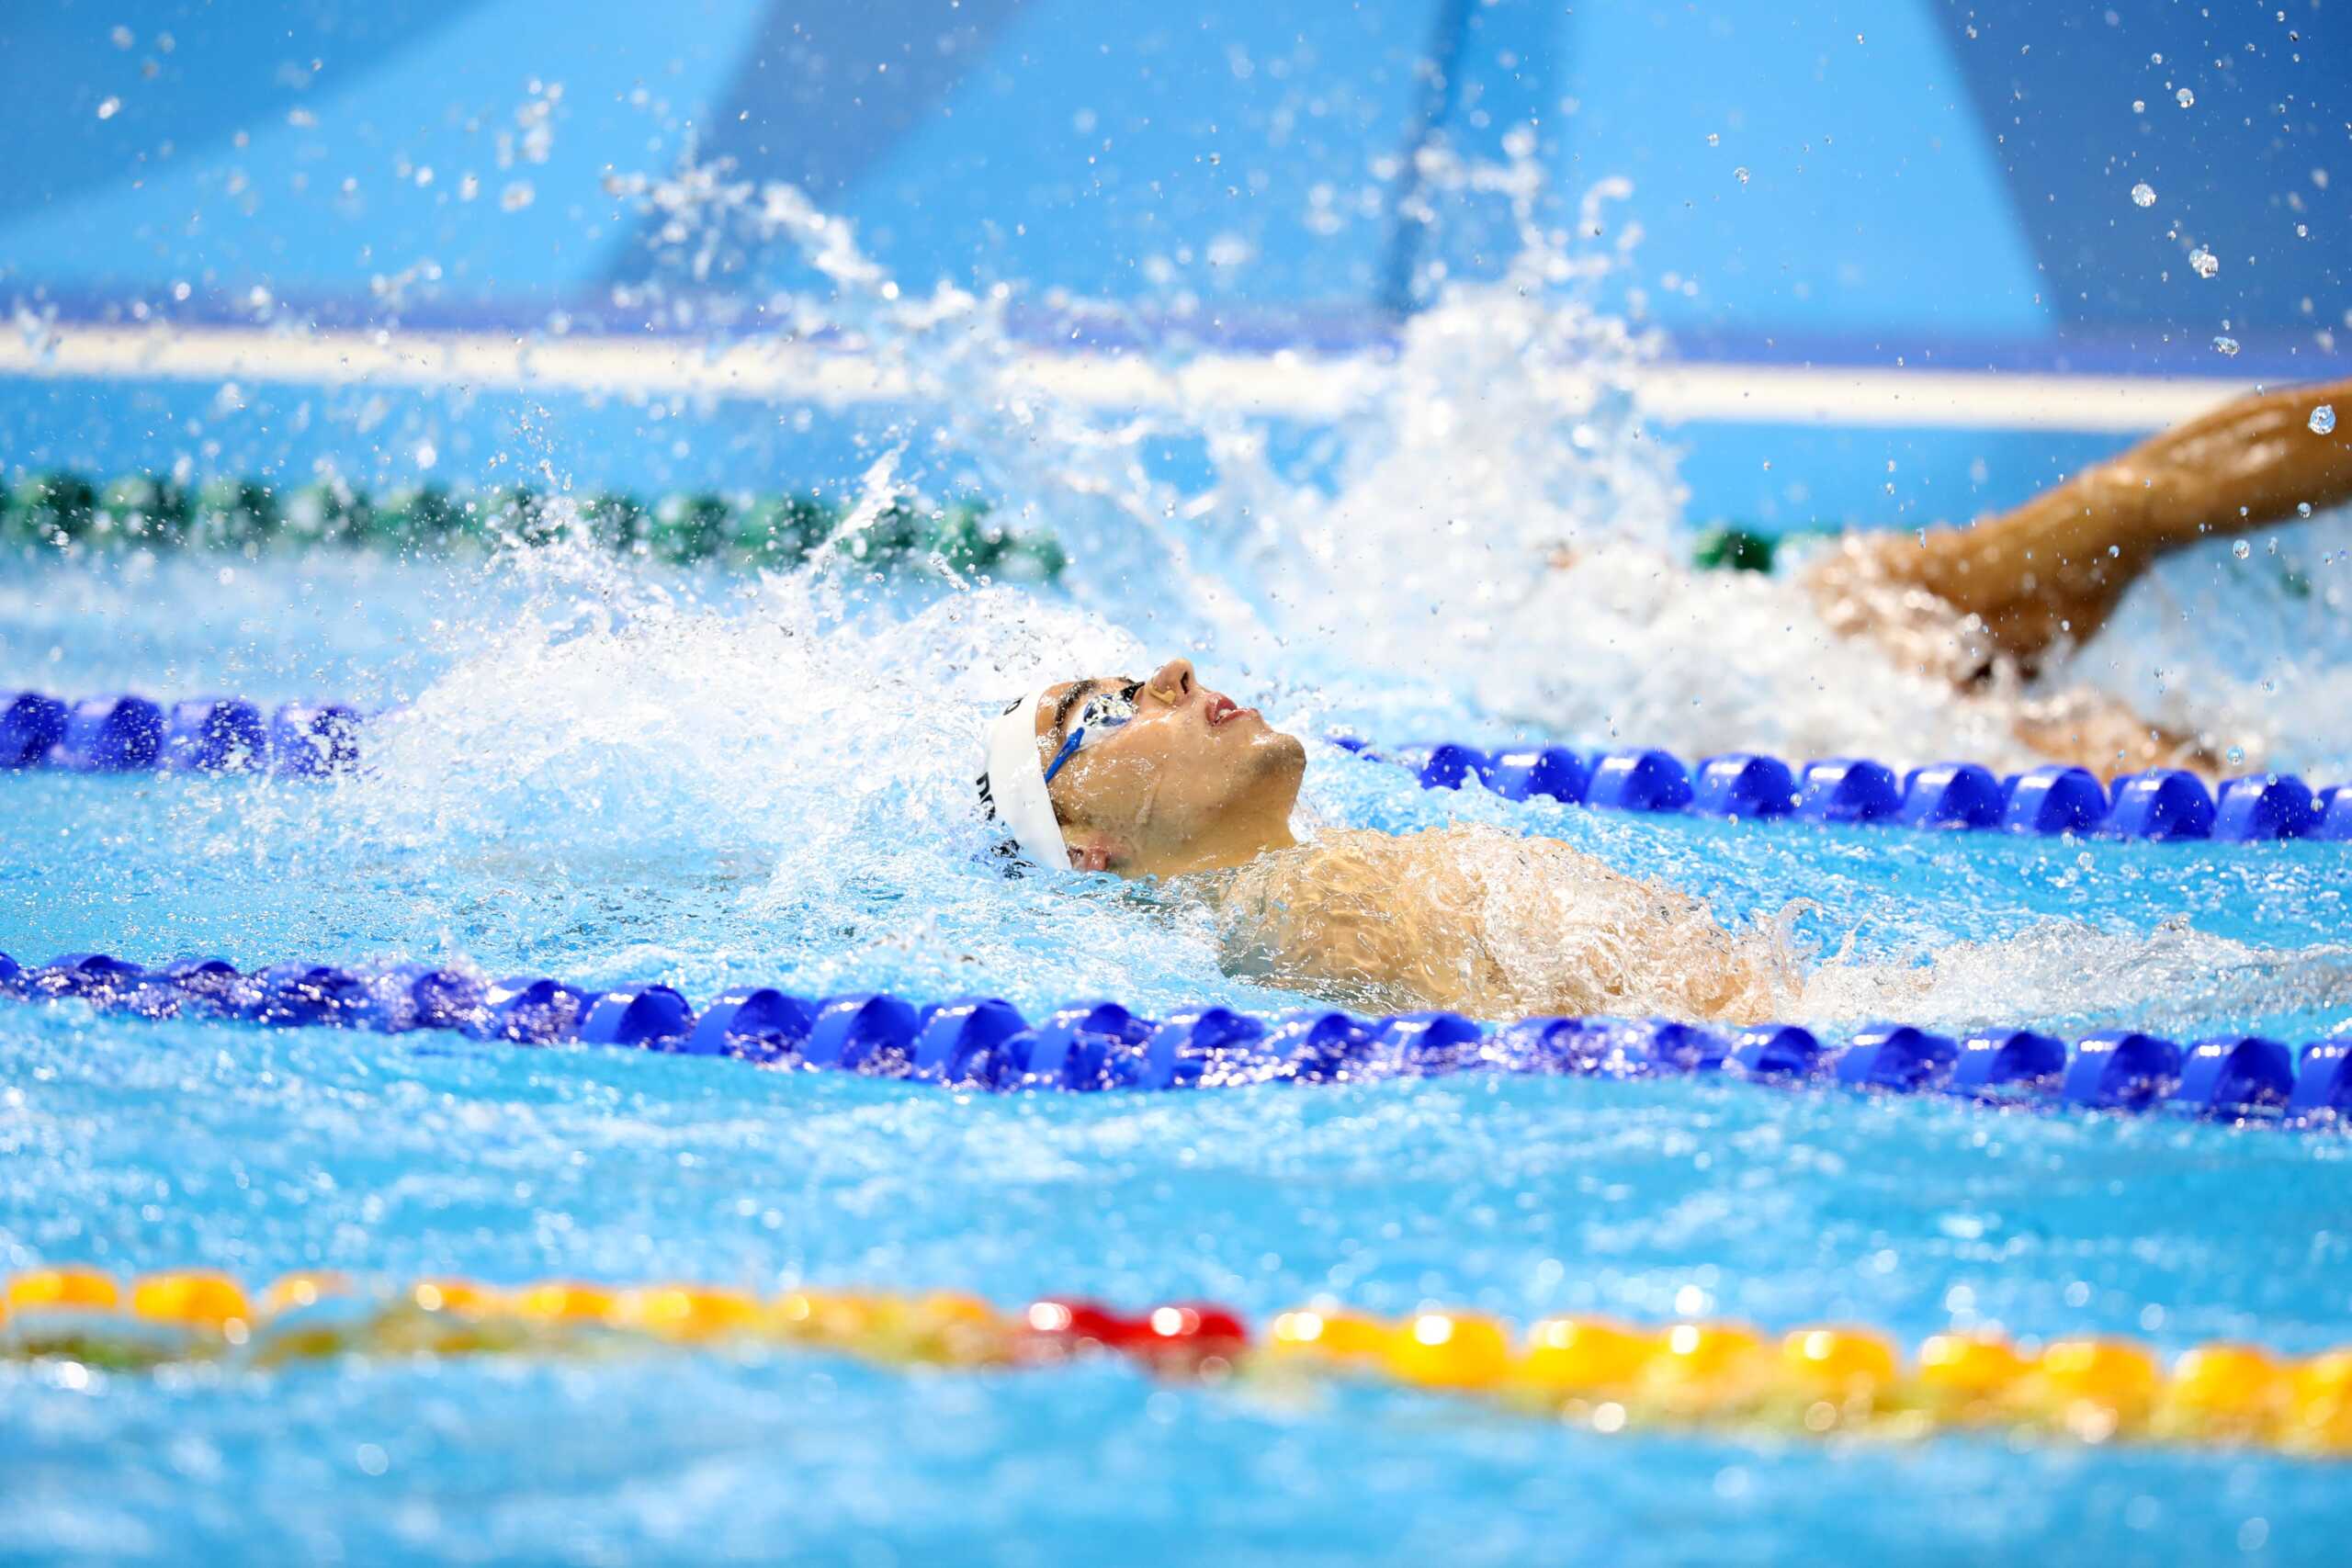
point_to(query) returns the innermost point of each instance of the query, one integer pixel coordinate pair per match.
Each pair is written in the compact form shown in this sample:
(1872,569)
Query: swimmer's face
(1191,775)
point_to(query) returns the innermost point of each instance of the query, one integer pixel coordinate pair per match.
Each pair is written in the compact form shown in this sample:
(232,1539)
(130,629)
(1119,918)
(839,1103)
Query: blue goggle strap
(1069,749)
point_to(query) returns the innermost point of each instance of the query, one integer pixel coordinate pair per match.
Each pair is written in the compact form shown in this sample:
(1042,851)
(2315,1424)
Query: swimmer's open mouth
(1222,707)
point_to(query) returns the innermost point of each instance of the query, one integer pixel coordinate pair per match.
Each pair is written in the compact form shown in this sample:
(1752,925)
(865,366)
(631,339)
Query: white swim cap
(1012,790)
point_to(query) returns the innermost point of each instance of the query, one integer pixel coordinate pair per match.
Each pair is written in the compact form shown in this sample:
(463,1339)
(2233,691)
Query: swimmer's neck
(1234,842)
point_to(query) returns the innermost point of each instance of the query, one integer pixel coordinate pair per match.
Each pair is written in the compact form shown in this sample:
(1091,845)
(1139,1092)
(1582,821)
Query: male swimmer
(1992,604)
(1165,778)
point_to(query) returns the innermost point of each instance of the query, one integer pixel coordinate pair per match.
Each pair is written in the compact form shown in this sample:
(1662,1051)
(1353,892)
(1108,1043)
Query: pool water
(618,772)
(624,774)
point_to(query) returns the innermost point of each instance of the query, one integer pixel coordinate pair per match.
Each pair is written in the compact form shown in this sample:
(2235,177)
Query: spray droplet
(517,196)
(2139,105)
(2185,98)
(1740,174)
(2324,420)
(110,107)
(2225,345)
(2235,756)
(2241,549)
(1714,139)
(2206,262)
(2143,195)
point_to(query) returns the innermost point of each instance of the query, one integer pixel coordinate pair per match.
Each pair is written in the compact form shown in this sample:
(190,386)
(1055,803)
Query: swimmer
(1165,778)
(1991,605)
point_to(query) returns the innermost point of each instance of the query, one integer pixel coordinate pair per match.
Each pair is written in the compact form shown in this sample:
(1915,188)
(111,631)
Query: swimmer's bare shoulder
(1364,918)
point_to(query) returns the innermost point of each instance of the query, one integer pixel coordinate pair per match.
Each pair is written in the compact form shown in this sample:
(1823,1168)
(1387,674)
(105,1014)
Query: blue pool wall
(1927,187)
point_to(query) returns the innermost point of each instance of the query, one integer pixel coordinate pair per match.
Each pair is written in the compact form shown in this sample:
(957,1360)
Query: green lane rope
(70,512)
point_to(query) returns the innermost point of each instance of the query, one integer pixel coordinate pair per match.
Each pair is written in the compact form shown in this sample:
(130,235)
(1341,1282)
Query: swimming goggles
(1103,715)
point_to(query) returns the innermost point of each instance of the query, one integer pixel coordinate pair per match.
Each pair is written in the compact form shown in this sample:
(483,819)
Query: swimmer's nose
(1173,682)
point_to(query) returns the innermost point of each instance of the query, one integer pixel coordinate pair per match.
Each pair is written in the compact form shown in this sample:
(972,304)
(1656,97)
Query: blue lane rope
(984,1043)
(213,735)
(2162,805)
(132,734)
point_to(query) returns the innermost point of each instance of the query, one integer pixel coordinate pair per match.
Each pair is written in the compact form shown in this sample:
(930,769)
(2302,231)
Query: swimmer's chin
(1282,755)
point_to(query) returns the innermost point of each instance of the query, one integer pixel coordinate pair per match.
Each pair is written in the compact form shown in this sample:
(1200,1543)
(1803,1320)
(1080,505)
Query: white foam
(2060,972)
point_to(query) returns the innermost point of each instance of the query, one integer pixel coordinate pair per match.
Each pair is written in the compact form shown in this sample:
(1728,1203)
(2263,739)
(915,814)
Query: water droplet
(2206,262)
(1714,140)
(517,196)
(2234,755)
(2324,420)
(2155,60)
(109,108)
(2225,345)
(1740,174)
(2185,98)
(2241,549)
(2139,105)
(2143,195)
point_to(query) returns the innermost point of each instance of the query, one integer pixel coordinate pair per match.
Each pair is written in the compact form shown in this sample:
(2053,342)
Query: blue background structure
(1918,184)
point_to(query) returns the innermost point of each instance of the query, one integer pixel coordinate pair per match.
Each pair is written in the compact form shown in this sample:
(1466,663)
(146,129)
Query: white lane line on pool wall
(1286,383)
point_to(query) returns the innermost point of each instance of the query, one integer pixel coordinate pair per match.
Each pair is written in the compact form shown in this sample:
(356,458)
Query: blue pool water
(622,773)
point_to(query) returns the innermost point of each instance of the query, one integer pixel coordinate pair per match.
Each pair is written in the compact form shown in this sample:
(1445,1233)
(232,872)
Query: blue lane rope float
(213,735)
(132,734)
(2162,805)
(985,1043)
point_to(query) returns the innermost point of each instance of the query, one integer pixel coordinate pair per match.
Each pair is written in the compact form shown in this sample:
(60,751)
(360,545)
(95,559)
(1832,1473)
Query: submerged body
(1476,920)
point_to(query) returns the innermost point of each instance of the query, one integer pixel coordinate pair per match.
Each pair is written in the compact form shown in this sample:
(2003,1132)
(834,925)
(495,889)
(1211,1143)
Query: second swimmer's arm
(2053,568)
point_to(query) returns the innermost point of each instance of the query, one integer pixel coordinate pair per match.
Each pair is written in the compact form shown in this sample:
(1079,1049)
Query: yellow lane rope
(1606,1375)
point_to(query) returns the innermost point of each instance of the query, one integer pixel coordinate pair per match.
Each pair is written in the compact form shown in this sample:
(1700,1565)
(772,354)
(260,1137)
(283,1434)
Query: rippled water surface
(613,773)
(694,781)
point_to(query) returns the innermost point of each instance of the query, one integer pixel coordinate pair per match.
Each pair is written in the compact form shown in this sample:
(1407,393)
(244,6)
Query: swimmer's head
(1168,777)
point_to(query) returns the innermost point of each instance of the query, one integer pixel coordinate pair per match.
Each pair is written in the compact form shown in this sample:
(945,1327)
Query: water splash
(1489,540)
(1492,515)
(2197,983)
